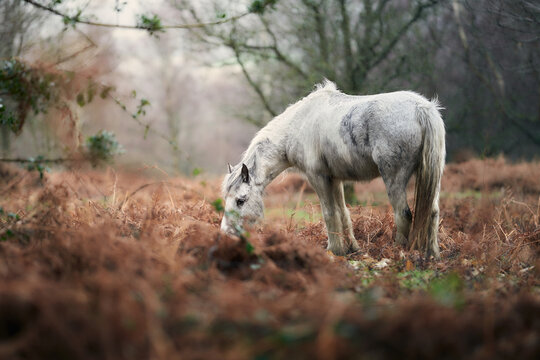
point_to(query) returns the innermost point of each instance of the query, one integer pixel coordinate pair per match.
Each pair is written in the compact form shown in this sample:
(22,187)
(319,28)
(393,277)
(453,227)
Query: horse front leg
(347,228)
(324,187)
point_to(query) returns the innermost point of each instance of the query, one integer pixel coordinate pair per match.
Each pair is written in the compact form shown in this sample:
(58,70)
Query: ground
(117,264)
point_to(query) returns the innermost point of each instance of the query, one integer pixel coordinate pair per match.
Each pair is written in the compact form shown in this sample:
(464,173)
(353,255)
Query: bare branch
(250,80)
(417,15)
(320,25)
(347,49)
(135,27)
(278,53)
(38,160)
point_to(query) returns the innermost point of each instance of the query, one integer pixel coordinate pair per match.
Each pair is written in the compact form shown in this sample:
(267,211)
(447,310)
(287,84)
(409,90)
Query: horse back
(354,137)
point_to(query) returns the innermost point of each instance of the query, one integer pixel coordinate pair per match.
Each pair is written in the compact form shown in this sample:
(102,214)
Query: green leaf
(146,130)
(218,205)
(13,216)
(152,24)
(196,171)
(260,6)
(105,92)
(102,147)
(448,291)
(80,99)
(90,93)
(249,247)
(140,108)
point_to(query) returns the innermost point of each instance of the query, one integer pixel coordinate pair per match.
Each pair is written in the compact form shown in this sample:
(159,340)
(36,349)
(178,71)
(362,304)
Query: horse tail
(428,179)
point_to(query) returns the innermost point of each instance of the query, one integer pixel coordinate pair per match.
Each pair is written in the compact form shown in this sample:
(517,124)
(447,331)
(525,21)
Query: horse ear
(245,174)
(230,168)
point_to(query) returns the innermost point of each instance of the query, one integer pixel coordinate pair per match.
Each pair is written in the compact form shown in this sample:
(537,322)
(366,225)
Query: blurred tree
(34,87)
(480,56)
(172,79)
(496,70)
(361,45)
(364,46)
(16,22)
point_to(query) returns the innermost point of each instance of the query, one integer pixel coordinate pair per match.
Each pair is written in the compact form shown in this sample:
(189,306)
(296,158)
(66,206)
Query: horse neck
(265,161)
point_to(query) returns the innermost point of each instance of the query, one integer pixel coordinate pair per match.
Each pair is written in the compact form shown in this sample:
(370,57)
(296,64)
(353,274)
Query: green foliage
(238,229)
(416,279)
(7,218)
(37,165)
(105,91)
(72,20)
(32,89)
(260,6)
(8,234)
(141,108)
(152,24)
(7,117)
(26,89)
(23,89)
(250,249)
(102,147)
(86,96)
(196,171)
(448,291)
(80,99)
(218,205)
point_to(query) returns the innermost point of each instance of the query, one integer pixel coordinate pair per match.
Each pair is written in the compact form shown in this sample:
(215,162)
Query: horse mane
(326,85)
(249,156)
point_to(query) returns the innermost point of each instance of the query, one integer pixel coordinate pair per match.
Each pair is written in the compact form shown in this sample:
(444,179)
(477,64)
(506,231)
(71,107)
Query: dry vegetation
(117,265)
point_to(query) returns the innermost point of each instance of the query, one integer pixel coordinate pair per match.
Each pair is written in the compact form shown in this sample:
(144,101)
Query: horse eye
(240,202)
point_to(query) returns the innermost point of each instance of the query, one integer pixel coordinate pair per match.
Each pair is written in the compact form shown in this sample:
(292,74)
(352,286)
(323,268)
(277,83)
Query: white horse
(331,137)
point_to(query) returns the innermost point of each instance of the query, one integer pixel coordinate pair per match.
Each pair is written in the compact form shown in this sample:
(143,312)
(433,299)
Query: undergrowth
(117,265)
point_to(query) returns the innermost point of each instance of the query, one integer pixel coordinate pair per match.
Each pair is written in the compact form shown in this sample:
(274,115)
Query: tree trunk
(4,134)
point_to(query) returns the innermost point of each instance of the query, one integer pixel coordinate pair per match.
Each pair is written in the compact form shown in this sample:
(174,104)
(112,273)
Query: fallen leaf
(382,264)
(409,266)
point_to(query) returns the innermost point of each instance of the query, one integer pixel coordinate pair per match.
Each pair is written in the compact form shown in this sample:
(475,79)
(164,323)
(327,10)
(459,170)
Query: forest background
(75,73)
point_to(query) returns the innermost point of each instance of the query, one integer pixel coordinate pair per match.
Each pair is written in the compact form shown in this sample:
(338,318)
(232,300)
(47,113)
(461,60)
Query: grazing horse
(331,137)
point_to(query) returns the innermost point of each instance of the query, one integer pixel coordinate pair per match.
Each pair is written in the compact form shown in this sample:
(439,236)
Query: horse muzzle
(226,227)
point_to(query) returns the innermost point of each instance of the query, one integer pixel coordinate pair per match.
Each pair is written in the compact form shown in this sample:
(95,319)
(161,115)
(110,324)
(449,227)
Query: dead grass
(116,265)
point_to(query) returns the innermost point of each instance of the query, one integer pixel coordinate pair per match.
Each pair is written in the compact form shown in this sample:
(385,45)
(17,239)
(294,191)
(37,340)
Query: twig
(20,160)
(142,187)
(134,27)
(12,183)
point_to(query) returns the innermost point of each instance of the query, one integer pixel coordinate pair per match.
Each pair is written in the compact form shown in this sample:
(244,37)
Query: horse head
(243,200)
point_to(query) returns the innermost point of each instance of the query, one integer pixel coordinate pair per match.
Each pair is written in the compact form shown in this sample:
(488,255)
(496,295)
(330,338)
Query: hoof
(353,247)
(344,252)
(434,251)
(347,247)
(338,251)
(401,240)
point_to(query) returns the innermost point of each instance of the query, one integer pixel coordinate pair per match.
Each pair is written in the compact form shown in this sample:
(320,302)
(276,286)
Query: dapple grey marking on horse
(331,137)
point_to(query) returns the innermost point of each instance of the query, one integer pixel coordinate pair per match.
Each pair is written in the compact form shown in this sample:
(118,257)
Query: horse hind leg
(395,187)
